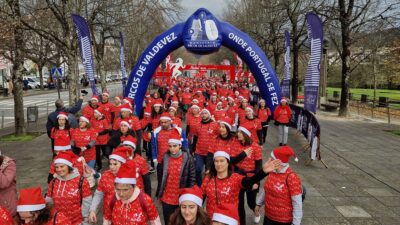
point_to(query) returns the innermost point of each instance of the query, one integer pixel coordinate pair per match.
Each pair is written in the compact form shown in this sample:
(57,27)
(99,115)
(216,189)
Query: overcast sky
(216,7)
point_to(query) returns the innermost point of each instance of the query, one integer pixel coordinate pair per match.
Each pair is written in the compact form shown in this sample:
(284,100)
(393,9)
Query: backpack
(303,188)
(79,186)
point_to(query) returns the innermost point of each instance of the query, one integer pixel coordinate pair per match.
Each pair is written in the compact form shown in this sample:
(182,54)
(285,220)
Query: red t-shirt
(82,138)
(192,122)
(141,169)
(186,98)
(253,125)
(133,121)
(99,126)
(205,132)
(88,112)
(61,138)
(219,114)
(248,164)
(263,114)
(67,199)
(217,144)
(5,216)
(171,192)
(107,108)
(133,213)
(278,201)
(282,114)
(106,185)
(162,143)
(227,190)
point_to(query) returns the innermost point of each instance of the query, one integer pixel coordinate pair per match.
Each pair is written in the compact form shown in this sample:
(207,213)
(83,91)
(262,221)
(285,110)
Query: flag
(122,61)
(286,69)
(311,84)
(85,49)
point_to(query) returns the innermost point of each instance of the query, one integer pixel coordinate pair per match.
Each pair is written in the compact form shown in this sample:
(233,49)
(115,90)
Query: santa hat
(66,158)
(126,173)
(222,153)
(126,108)
(63,115)
(283,153)
(219,103)
(157,104)
(126,123)
(118,97)
(195,101)
(214,93)
(245,130)
(175,137)
(206,111)
(95,98)
(128,101)
(121,154)
(84,119)
(249,108)
(283,99)
(106,93)
(131,141)
(30,199)
(148,94)
(227,121)
(172,108)
(226,213)
(99,111)
(147,111)
(193,194)
(174,100)
(165,116)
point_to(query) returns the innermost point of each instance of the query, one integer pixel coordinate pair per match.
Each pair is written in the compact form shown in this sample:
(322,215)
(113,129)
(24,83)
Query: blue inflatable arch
(202,33)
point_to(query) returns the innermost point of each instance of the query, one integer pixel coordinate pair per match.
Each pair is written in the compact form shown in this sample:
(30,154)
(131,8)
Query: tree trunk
(102,73)
(73,77)
(295,79)
(40,68)
(344,100)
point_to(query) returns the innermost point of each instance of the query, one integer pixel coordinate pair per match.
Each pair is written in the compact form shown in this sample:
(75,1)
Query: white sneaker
(257,219)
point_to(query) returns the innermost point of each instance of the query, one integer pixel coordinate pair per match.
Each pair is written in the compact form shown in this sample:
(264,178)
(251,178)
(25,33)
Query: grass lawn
(25,137)
(357,92)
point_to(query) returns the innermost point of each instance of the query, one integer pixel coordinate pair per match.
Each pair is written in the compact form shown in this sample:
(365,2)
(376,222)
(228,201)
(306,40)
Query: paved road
(44,102)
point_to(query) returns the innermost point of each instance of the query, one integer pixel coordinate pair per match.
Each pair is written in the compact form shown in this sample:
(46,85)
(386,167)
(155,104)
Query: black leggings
(168,210)
(102,150)
(267,221)
(251,202)
(264,131)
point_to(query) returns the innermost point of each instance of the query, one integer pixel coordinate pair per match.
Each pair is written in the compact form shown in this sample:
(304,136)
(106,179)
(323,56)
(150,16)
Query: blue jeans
(200,162)
(92,164)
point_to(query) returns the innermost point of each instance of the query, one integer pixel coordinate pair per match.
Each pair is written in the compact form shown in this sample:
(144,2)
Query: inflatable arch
(202,33)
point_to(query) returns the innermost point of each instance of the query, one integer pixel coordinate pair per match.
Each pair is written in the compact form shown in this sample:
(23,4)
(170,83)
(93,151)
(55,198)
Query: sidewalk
(361,185)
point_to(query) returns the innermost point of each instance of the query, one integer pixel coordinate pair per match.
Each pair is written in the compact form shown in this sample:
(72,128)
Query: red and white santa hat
(118,97)
(249,109)
(245,130)
(126,173)
(195,101)
(63,115)
(175,137)
(157,104)
(127,101)
(283,153)
(121,154)
(99,111)
(106,93)
(130,141)
(226,213)
(195,106)
(227,121)
(193,194)
(66,158)
(30,199)
(82,118)
(94,98)
(206,111)
(165,116)
(221,153)
(172,108)
(126,108)
(174,100)
(283,99)
(126,123)
(147,111)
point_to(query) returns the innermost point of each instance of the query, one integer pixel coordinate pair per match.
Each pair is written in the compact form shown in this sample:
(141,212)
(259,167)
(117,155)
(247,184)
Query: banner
(122,61)
(286,69)
(311,83)
(306,123)
(85,49)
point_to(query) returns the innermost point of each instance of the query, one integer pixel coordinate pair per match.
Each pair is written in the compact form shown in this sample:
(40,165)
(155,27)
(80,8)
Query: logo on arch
(202,33)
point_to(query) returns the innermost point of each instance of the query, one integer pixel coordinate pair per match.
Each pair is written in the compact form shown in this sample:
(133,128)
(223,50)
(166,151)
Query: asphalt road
(44,102)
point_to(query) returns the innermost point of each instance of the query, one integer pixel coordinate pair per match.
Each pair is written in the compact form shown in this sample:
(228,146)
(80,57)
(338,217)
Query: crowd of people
(203,140)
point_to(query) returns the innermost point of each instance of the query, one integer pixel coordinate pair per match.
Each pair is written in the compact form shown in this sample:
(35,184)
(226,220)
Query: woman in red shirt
(253,124)
(101,125)
(222,185)
(193,120)
(264,114)
(105,190)
(156,112)
(69,192)
(282,195)
(173,114)
(84,141)
(249,166)
(282,115)
(178,171)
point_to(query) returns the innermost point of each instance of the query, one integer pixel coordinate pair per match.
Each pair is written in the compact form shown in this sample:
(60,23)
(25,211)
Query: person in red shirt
(116,108)
(134,122)
(156,112)
(131,206)
(173,114)
(83,141)
(200,97)
(32,209)
(219,112)
(249,166)
(264,114)
(185,99)
(242,110)
(253,124)
(88,110)
(107,107)
(101,125)
(222,185)
(282,115)
(282,195)
(193,119)
(225,214)
(61,133)
(5,216)
(69,192)
(177,172)
(105,190)
(204,132)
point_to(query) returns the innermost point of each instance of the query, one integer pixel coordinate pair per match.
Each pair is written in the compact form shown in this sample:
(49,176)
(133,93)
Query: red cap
(226,213)
(193,194)
(283,153)
(30,199)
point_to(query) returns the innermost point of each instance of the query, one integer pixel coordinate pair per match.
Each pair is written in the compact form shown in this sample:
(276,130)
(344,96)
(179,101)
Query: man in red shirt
(107,107)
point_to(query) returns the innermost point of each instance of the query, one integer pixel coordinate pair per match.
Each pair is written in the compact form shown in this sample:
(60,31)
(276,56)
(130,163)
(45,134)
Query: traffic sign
(56,72)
